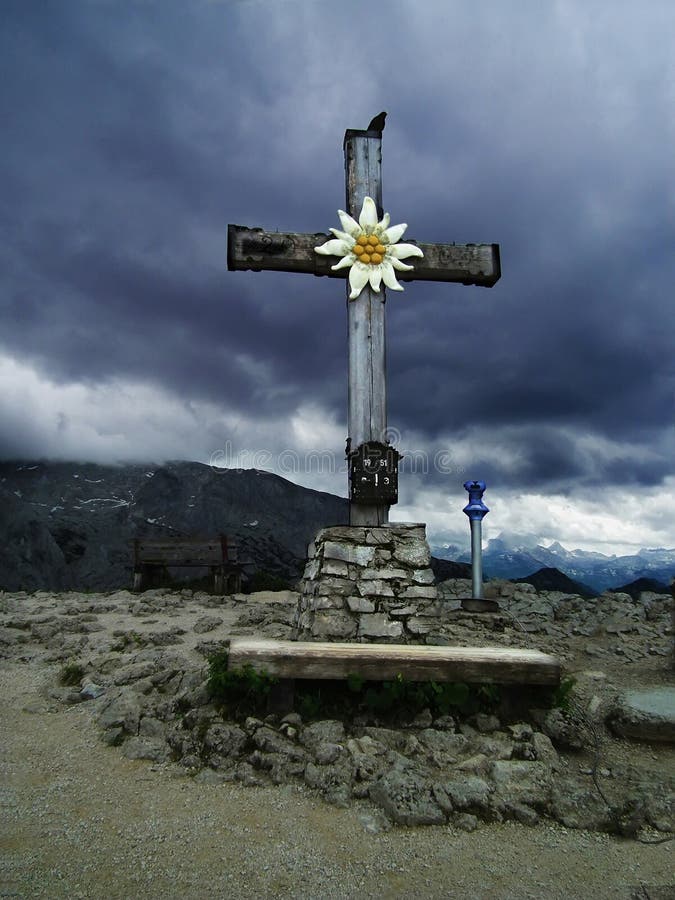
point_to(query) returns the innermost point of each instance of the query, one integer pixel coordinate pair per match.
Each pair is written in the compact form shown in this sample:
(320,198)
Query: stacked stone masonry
(366,584)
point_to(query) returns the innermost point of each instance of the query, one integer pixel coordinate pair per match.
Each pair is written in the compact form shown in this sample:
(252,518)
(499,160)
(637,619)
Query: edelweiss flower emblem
(370,249)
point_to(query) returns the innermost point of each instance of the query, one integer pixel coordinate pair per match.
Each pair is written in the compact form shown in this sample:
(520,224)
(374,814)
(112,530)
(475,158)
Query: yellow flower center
(368,249)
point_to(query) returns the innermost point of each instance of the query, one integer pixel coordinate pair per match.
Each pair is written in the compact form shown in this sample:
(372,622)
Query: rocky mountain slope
(67,525)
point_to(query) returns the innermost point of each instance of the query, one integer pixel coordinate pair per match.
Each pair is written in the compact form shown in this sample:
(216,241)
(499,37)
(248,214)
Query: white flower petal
(347,260)
(395,233)
(368,217)
(358,278)
(361,274)
(333,248)
(397,264)
(375,278)
(351,226)
(389,277)
(343,236)
(403,251)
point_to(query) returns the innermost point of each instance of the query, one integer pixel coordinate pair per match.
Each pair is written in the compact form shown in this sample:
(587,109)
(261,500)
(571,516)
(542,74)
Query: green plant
(125,638)
(449,696)
(310,704)
(396,699)
(355,683)
(488,697)
(386,695)
(245,691)
(217,669)
(238,691)
(328,698)
(71,674)
(562,695)
(408,698)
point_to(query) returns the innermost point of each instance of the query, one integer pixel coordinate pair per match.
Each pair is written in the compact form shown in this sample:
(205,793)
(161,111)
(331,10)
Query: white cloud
(116,420)
(111,421)
(613,520)
(124,421)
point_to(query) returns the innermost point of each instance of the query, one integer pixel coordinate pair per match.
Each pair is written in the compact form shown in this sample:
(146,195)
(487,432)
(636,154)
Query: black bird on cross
(377,124)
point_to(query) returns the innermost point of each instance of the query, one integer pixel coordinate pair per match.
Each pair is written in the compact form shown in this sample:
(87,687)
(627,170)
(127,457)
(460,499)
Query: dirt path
(80,821)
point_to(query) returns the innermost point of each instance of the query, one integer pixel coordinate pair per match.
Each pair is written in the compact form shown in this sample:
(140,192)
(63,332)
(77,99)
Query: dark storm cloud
(138,131)
(109,313)
(110,278)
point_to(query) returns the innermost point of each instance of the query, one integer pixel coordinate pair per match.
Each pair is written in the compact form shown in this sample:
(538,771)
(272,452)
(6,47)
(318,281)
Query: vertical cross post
(373,465)
(366,320)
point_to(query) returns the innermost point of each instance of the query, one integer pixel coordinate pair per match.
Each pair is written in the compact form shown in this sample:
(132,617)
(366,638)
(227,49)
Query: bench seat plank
(180,556)
(184,551)
(377,662)
(220,554)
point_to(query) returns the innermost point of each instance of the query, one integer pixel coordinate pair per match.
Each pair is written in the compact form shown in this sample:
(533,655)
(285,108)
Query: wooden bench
(378,662)
(220,554)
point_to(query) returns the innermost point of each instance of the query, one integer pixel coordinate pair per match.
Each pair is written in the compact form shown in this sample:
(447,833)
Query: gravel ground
(80,821)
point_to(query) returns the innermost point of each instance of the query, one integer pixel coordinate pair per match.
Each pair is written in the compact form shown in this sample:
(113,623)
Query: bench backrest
(185,551)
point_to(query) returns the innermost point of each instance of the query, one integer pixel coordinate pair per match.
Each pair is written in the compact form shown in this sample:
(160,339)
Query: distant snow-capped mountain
(515,556)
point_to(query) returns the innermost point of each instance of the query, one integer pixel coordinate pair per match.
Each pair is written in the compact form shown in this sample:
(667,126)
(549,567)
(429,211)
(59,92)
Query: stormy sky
(134,131)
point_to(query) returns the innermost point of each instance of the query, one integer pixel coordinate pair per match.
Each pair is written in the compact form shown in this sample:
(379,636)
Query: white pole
(476,559)
(476,510)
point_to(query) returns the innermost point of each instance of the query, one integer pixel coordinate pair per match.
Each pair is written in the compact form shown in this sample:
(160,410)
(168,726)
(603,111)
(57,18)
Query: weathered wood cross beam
(277,251)
(258,250)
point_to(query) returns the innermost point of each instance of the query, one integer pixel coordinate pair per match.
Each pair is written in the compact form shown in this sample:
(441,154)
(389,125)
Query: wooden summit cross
(373,464)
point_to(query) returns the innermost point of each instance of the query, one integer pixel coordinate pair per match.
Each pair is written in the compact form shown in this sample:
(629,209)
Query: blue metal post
(476,510)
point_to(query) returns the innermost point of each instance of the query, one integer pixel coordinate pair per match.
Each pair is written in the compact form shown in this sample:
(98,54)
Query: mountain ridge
(69,525)
(551,579)
(507,557)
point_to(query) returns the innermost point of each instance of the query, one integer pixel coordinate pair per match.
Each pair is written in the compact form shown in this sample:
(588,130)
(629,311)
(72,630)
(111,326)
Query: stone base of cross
(366,583)
(373,465)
